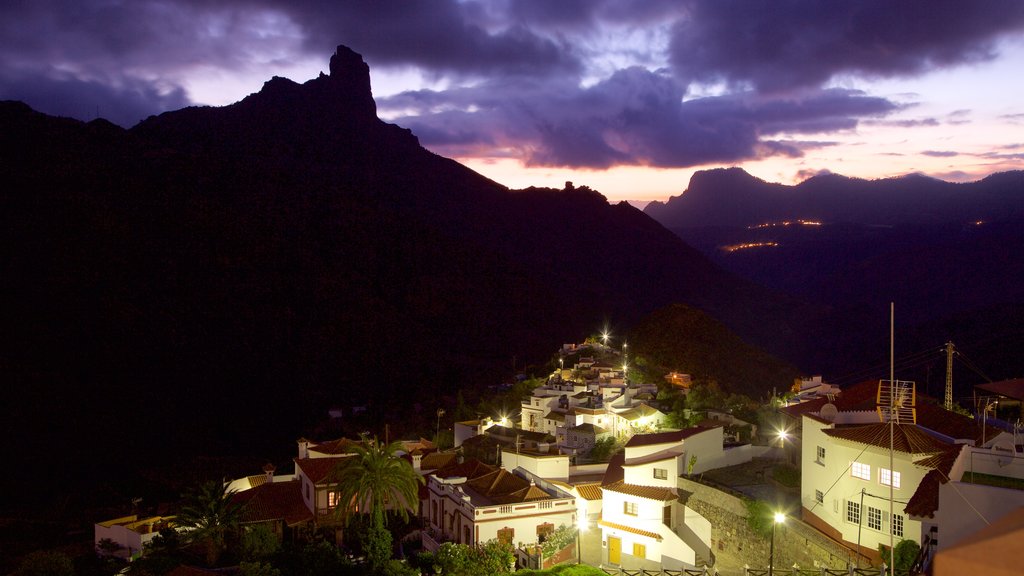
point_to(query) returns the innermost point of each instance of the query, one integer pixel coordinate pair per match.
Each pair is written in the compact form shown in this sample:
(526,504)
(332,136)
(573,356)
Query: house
(129,533)
(846,475)
(644,522)
(472,503)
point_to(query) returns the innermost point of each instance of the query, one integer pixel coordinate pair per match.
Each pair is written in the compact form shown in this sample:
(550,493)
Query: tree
(209,516)
(906,553)
(259,542)
(371,481)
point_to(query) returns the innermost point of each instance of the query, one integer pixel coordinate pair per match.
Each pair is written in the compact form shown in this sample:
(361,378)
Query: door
(614,550)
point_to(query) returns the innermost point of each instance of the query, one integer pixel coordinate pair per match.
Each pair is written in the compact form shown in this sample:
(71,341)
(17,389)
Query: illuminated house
(644,524)
(472,503)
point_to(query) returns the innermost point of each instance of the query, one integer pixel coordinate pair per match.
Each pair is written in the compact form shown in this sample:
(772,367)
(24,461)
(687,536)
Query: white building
(472,503)
(643,523)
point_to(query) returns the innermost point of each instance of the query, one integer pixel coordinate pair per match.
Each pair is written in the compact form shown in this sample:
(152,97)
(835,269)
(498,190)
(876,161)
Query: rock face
(351,75)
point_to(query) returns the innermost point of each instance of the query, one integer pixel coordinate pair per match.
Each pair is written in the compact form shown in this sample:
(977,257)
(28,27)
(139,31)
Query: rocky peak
(350,76)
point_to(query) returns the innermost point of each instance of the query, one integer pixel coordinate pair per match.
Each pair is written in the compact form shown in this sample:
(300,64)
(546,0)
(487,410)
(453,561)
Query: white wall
(834,469)
(552,467)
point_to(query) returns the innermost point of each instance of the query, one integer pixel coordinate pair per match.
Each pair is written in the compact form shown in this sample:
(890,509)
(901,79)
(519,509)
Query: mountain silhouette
(211,280)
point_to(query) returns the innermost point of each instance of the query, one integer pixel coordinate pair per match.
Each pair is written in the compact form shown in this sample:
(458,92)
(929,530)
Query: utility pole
(949,376)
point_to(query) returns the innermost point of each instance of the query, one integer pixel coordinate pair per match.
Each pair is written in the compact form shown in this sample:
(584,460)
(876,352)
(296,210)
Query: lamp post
(778,519)
(440,412)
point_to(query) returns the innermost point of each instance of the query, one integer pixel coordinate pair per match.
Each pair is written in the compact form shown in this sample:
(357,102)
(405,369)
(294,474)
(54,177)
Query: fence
(748,571)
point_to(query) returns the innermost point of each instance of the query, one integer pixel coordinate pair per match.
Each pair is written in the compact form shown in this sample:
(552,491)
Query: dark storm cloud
(126,104)
(634,117)
(440,36)
(788,44)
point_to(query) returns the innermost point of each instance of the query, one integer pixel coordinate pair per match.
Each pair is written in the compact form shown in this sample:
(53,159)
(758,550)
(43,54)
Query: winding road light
(778,519)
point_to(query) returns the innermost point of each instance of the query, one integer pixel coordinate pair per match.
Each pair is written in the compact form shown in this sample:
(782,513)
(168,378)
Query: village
(597,468)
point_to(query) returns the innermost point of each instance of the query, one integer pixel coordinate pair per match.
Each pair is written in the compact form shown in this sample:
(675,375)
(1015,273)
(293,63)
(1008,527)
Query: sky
(629,97)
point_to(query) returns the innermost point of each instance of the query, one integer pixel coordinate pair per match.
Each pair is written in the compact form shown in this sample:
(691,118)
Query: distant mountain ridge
(732,197)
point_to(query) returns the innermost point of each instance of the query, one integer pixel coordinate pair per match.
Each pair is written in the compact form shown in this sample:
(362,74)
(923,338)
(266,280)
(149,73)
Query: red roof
(318,469)
(906,438)
(334,447)
(277,501)
(648,492)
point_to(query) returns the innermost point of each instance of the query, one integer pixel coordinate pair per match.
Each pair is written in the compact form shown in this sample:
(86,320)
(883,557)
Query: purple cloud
(940,153)
(634,117)
(784,45)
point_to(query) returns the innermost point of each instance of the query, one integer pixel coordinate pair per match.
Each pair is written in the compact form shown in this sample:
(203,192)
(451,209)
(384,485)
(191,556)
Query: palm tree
(210,515)
(372,481)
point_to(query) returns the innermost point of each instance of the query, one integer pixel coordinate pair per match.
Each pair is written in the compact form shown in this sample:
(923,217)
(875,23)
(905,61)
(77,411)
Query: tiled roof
(437,460)
(318,469)
(648,492)
(257,480)
(630,529)
(906,438)
(641,411)
(334,447)
(591,491)
(470,469)
(512,433)
(277,501)
(556,416)
(662,437)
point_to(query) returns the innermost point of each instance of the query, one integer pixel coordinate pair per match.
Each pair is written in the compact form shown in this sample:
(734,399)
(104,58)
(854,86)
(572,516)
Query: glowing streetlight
(604,337)
(778,519)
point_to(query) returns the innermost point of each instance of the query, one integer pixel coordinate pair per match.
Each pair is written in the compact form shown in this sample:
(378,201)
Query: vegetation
(368,483)
(681,338)
(210,518)
(786,475)
(906,552)
(604,449)
(759,517)
(564,570)
(558,540)
(452,559)
(45,563)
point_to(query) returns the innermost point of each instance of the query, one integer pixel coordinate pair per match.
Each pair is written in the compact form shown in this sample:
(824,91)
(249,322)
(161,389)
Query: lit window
(821,455)
(639,550)
(884,476)
(660,474)
(819,497)
(862,471)
(332,499)
(897,525)
(852,512)
(874,518)
(629,508)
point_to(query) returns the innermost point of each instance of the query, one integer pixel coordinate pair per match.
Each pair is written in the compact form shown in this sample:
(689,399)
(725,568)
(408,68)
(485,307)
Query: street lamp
(779,519)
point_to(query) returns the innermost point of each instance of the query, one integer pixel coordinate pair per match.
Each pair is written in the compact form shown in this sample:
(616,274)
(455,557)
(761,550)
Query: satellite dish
(829,412)
(1004,451)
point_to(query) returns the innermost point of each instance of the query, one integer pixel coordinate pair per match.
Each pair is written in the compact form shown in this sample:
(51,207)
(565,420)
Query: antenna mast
(949,376)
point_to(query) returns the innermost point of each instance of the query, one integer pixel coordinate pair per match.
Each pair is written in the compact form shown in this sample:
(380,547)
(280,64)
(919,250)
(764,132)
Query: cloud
(635,117)
(914,123)
(125,103)
(940,153)
(786,45)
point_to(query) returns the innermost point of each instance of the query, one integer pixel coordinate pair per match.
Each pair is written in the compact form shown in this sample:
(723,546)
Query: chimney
(303,447)
(417,460)
(268,469)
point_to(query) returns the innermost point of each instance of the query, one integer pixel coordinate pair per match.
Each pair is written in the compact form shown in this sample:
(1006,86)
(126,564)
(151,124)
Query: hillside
(683,339)
(211,280)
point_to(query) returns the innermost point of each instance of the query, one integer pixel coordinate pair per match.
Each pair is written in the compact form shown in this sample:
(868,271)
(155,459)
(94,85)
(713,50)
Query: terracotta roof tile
(277,501)
(318,469)
(615,472)
(907,438)
(437,460)
(334,447)
(630,529)
(590,491)
(648,492)
(925,500)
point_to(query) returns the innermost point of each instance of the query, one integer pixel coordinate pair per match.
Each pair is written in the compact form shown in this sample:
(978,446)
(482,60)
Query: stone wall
(734,544)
